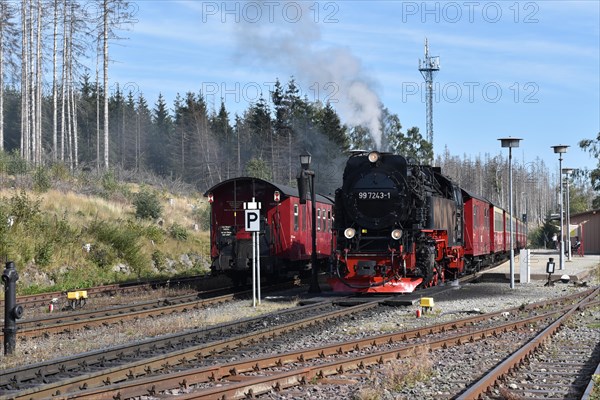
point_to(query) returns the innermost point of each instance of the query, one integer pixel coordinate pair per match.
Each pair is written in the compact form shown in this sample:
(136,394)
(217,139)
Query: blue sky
(528,69)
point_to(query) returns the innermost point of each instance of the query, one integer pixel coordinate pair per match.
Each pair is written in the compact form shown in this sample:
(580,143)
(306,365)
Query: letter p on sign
(252,220)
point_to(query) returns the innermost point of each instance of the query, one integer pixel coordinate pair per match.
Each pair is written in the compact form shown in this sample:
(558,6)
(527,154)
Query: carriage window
(295,217)
(304,218)
(318,219)
(330,224)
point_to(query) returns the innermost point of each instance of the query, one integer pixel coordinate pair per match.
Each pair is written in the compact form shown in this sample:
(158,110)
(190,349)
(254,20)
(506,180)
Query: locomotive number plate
(374,195)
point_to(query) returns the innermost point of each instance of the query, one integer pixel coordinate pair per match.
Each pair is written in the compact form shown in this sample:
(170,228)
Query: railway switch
(77,298)
(426,304)
(12,311)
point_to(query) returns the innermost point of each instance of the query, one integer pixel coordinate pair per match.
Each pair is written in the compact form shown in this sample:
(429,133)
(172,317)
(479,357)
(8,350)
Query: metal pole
(253,269)
(568,220)
(258,264)
(561,264)
(314,282)
(526,224)
(510,208)
(12,311)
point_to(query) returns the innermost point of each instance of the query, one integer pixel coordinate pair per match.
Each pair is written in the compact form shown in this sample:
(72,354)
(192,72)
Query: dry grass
(73,205)
(79,211)
(397,375)
(30,351)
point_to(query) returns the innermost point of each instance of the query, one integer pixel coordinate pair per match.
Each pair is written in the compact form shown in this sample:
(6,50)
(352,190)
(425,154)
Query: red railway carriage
(478,237)
(285,230)
(499,245)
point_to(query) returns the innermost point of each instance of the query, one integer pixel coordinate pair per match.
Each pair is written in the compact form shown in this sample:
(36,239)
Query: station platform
(578,268)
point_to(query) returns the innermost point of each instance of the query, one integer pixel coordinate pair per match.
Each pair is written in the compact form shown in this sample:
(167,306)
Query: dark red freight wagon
(285,228)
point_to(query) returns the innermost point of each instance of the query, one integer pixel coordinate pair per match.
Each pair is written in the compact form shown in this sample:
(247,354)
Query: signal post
(252,224)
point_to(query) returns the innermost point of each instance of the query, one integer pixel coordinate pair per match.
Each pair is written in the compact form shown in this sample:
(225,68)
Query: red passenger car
(478,238)
(285,230)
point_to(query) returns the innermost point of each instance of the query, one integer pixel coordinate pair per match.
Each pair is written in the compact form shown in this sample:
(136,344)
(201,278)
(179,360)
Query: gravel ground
(436,375)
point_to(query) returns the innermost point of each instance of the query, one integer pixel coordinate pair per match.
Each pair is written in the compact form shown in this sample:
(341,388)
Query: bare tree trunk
(73,114)
(105,34)
(38,100)
(63,85)
(24,84)
(32,86)
(98,106)
(2,16)
(54,85)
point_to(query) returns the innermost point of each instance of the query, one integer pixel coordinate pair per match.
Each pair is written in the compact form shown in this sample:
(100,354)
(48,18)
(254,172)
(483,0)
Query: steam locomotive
(400,226)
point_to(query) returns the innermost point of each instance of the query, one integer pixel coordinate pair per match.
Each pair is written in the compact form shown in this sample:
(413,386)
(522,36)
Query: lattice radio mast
(428,67)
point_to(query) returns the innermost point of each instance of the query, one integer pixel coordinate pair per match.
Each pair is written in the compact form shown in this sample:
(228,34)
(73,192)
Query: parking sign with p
(252,220)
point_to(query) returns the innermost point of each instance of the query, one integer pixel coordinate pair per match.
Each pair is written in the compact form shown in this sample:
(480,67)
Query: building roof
(286,191)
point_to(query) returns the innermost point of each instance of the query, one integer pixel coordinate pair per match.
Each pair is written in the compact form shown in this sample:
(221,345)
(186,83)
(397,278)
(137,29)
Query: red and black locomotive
(285,229)
(400,226)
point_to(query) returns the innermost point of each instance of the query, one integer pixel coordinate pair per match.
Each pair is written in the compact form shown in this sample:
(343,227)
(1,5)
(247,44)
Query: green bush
(44,253)
(15,164)
(102,255)
(41,180)
(125,242)
(147,205)
(159,259)
(109,182)
(24,210)
(178,232)
(154,233)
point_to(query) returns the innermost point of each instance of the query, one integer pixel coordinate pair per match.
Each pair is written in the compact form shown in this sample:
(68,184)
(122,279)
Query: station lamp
(560,149)
(510,142)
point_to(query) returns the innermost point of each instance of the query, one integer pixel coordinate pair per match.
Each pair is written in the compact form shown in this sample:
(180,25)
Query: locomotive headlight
(396,234)
(373,156)
(349,233)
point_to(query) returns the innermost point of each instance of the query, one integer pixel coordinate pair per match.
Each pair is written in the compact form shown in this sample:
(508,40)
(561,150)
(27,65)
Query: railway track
(124,362)
(198,368)
(551,365)
(43,299)
(85,320)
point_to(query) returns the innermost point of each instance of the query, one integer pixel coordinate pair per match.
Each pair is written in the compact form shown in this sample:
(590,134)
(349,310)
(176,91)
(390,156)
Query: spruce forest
(58,105)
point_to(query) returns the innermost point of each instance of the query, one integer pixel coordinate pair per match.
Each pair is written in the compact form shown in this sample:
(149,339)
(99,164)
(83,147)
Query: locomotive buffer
(252,224)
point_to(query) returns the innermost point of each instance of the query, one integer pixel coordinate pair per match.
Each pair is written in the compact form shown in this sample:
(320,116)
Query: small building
(586,225)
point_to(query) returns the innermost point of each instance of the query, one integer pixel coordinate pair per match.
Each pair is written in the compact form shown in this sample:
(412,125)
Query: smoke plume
(296,46)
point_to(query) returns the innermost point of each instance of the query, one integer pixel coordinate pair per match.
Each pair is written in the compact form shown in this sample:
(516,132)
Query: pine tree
(330,125)
(159,140)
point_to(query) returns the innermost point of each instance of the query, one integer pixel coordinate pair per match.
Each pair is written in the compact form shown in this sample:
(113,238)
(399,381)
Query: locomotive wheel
(426,261)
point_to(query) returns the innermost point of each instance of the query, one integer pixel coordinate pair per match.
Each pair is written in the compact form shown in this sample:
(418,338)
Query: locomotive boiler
(398,225)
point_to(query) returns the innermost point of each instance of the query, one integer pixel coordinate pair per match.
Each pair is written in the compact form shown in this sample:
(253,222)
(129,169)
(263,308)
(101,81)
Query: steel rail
(501,370)
(244,386)
(180,358)
(42,299)
(139,368)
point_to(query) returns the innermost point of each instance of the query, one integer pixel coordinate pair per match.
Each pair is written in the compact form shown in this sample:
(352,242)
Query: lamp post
(527,218)
(567,172)
(510,142)
(305,159)
(560,149)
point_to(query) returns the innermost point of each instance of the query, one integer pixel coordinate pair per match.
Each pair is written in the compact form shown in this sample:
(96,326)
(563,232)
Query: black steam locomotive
(398,225)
